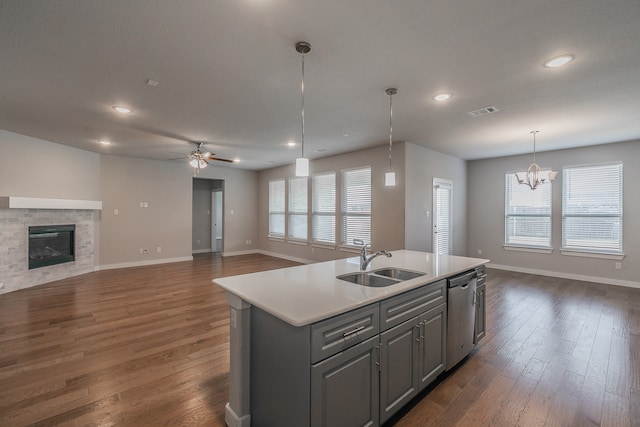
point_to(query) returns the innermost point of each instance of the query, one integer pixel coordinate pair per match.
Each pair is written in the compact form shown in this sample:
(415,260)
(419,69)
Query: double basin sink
(381,277)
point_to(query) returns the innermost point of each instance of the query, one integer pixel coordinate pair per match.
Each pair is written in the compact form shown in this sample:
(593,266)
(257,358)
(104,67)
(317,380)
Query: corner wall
(422,165)
(486,220)
(387,216)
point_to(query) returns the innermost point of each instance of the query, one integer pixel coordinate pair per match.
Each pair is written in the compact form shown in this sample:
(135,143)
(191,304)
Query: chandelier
(534,176)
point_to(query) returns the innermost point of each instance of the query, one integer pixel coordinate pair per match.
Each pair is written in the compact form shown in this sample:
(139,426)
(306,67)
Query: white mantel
(12,202)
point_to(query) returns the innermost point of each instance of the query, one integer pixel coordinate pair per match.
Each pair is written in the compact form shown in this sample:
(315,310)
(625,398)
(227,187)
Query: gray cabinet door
(345,387)
(481,313)
(432,344)
(398,366)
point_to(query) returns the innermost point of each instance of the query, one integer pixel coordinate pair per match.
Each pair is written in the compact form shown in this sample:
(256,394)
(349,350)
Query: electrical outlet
(115,212)
(479,251)
(1,285)
(142,204)
(158,249)
(248,242)
(618,266)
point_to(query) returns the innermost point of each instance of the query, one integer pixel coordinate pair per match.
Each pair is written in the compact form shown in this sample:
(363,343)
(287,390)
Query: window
(356,205)
(323,216)
(592,208)
(276,209)
(527,214)
(442,222)
(298,201)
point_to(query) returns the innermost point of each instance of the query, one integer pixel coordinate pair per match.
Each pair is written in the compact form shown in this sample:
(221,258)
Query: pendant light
(534,176)
(302,163)
(390,176)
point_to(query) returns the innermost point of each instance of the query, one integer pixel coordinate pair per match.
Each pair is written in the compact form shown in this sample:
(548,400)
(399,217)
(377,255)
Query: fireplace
(51,244)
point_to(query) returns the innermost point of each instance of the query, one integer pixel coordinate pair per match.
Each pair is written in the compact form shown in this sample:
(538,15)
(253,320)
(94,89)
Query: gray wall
(52,170)
(165,187)
(387,217)
(422,165)
(31,167)
(486,219)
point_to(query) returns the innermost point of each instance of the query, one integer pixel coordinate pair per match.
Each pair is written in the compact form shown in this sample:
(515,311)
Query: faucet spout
(366,259)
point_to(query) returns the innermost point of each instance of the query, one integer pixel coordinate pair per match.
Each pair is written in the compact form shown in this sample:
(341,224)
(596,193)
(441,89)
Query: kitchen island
(293,330)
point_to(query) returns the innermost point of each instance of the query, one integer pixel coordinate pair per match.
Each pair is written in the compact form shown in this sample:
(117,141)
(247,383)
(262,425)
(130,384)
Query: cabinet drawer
(481,272)
(410,304)
(338,333)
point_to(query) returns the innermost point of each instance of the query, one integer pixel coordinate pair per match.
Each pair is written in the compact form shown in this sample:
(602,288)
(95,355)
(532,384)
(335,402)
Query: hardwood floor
(148,346)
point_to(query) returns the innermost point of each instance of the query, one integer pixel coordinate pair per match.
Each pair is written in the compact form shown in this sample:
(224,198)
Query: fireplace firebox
(51,244)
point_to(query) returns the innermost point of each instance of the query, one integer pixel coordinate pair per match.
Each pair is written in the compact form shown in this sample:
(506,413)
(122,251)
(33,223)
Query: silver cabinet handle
(353,331)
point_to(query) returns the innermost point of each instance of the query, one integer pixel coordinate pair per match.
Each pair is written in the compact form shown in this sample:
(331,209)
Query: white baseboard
(201,251)
(143,263)
(593,279)
(287,257)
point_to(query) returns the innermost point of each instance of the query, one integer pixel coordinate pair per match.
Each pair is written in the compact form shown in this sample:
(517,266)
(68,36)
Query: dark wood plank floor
(148,346)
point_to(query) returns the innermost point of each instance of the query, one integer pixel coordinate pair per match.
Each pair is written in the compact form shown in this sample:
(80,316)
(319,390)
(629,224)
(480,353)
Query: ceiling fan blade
(220,160)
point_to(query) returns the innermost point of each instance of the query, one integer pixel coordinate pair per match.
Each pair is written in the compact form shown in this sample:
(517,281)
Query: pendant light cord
(390,127)
(302,140)
(534,144)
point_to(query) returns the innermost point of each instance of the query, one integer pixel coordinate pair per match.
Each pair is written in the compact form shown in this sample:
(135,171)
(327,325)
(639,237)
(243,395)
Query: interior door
(442,216)
(216,221)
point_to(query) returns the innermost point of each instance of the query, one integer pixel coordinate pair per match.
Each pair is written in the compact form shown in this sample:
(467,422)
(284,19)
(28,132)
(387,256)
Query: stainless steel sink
(381,277)
(398,273)
(367,279)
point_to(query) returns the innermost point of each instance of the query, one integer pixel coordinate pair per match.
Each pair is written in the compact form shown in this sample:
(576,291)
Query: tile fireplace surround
(14,231)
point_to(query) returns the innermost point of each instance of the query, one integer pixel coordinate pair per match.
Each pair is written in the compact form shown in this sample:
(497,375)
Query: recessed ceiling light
(291,143)
(105,142)
(559,61)
(121,109)
(320,150)
(344,135)
(441,97)
(236,160)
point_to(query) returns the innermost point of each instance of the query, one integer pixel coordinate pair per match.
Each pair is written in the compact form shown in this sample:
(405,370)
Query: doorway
(442,216)
(207,216)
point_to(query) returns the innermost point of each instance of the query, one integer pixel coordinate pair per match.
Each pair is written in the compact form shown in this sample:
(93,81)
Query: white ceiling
(229,74)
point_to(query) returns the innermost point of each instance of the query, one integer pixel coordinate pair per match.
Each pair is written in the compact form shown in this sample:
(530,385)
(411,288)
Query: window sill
(276,239)
(601,255)
(352,249)
(328,246)
(528,249)
(298,242)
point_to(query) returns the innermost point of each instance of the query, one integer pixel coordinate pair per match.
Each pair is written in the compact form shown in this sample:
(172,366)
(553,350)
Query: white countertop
(308,293)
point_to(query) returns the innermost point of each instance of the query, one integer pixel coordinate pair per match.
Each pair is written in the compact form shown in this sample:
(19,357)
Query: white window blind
(323,216)
(356,205)
(442,229)
(298,207)
(276,208)
(527,214)
(592,208)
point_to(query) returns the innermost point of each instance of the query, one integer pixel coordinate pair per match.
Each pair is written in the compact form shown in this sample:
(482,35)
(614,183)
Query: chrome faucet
(366,259)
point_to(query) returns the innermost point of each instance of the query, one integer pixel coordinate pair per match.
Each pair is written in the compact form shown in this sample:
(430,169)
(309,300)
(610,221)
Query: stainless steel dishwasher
(461,316)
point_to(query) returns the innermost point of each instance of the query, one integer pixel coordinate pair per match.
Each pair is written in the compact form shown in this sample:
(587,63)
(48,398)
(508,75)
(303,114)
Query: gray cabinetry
(344,387)
(481,299)
(433,333)
(399,374)
(412,352)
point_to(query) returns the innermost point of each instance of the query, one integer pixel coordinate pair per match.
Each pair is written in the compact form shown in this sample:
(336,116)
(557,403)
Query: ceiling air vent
(483,111)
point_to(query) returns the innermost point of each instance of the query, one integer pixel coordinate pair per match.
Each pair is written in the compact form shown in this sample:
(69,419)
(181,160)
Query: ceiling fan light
(390,179)
(198,163)
(302,166)
(559,61)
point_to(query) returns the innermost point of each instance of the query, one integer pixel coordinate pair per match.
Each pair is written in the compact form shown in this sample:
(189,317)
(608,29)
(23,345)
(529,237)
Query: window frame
(271,234)
(575,250)
(292,212)
(344,214)
(321,212)
(511,183)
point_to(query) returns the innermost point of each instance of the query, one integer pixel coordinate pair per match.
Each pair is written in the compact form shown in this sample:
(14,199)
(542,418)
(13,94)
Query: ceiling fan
(199,159)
